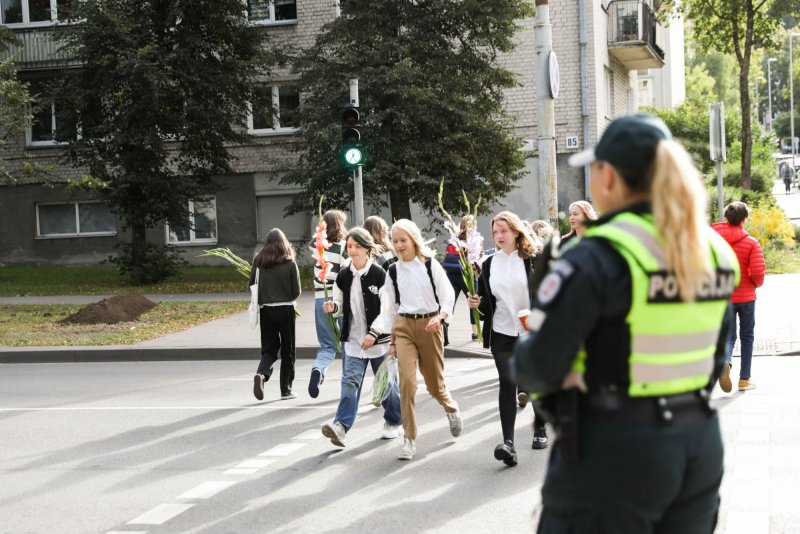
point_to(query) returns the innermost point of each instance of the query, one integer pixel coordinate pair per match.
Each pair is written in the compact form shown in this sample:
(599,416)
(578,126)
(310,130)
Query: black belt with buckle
(418,315)
(681,408)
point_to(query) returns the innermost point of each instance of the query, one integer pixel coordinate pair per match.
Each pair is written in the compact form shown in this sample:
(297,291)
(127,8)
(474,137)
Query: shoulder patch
(551,285)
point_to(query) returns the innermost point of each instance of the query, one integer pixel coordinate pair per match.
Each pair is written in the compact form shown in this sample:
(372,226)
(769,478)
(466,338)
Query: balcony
(37,50)
(632,31)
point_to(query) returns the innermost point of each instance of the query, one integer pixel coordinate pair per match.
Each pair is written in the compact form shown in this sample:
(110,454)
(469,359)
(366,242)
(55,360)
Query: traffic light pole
(546,91)
(358,177)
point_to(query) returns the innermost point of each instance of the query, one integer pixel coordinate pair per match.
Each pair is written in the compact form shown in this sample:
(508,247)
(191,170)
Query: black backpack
(393,275)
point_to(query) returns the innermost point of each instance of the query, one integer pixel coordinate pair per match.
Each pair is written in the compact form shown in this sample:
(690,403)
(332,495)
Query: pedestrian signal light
(352,151)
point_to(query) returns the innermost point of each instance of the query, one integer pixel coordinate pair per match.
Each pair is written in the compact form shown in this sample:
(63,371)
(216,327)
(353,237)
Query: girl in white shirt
(359,296)
(504,290)
(423,298)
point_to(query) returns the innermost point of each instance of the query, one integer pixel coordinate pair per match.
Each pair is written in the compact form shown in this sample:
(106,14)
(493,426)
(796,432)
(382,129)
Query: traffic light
(352,151)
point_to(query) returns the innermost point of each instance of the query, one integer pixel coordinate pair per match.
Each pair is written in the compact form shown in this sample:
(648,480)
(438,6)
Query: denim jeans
(353,377)
(325,336)
(746,311)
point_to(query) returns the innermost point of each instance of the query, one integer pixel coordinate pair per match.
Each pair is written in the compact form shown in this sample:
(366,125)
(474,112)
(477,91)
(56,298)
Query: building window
(202,226)
(31,12)
(271,11)
(45,127)
(273,109)
(72,219)
(271,215)
(609,93)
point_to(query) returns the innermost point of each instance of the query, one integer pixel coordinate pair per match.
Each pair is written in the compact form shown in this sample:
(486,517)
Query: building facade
(600,45)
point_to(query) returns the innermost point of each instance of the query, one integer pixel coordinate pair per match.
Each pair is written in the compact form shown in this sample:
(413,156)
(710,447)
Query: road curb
(133,354)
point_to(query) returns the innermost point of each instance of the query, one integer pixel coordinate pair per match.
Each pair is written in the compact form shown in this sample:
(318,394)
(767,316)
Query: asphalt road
(164,447)
(151,447)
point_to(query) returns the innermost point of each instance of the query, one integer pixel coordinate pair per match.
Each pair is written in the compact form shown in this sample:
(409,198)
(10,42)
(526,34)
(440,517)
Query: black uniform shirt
(585,308)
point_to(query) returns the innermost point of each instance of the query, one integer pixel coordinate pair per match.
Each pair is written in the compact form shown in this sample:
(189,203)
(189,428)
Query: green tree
(162,92)
(738,27)
(15,104)
(782,125)
(431,95)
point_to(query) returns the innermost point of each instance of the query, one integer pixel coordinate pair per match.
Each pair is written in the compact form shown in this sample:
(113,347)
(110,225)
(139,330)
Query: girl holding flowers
(503,291)
(278,289)
(423,299)
(454,269)
(359,297)
(329,252)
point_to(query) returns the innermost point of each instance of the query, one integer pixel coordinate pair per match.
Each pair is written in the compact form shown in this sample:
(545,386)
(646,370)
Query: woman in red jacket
(751,262)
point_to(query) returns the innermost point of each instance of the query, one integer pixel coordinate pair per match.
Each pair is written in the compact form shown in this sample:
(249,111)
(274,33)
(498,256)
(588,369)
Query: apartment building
(601,45)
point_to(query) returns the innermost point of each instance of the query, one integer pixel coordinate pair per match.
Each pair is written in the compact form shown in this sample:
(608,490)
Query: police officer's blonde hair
(679,212)
(410,227)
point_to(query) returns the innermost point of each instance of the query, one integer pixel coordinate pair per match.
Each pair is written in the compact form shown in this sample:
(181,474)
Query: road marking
(314,433)
(160,514)
(238,471)
(256,463)
(142,408)
(126,532)
(747,523)
(284,449)
(207,489)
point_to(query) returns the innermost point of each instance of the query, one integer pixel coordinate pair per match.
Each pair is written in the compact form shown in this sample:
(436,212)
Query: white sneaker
(335,432)
(456,424)
(408,451)
(391,431)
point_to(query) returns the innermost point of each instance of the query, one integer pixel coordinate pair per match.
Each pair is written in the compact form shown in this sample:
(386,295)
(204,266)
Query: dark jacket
(488,300)
(277,283)
(371,283)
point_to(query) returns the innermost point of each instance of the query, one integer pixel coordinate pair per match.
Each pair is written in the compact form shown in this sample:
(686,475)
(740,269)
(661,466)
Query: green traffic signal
(353,156)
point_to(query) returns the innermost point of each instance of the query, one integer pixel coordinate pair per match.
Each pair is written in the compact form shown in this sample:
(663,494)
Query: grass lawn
(782,261)
(37,325)
(105,280)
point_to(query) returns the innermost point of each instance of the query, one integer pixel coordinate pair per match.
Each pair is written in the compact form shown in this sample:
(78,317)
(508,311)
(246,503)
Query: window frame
(609,90)
(26,16)
(193,241)
(77,233)
(271,20)
(52,142)
(276,120)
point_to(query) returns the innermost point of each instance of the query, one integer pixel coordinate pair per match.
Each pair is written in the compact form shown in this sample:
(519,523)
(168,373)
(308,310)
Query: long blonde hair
(411,228)
(527,245)
(679,212)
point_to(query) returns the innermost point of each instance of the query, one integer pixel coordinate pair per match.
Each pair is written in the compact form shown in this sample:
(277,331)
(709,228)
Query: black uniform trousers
(277,335)
(637,477)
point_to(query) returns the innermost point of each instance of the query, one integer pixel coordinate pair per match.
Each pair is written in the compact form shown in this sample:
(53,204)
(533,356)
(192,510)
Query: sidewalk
(230,338)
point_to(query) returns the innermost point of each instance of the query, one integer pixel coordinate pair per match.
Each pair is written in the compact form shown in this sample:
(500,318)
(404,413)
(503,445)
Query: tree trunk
(747,134)
(401,205)
(138,252)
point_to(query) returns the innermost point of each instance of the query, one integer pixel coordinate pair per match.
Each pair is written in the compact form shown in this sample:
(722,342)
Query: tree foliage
(162,92)
(737,27)
(431,95)
(783,126)
(14,104)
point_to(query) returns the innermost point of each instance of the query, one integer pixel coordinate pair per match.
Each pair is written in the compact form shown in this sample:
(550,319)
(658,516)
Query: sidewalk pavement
(230,338)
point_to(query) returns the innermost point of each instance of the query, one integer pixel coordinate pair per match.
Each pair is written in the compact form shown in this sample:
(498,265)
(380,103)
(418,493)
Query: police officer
(627,339)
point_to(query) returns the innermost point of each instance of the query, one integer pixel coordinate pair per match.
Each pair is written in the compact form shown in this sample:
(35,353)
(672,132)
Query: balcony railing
(632,32)
(37,49)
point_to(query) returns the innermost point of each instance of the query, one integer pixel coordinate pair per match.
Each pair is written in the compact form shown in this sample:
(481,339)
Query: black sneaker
(314,382)
(506,453)
(258,386)
(539,438)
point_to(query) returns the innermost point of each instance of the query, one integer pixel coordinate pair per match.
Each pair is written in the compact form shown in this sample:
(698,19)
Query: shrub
(769,225)
(160,262)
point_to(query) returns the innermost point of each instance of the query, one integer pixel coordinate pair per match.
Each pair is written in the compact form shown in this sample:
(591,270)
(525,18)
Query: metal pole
(769,93)
(358,177)
(719,190)
(545,115)
(791,96)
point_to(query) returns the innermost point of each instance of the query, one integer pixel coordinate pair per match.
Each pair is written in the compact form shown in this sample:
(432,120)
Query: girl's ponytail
(679,212)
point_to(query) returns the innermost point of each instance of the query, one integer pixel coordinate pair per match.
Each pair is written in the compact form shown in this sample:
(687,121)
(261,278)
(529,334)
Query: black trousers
(635,477)
(502,347)
(277,335)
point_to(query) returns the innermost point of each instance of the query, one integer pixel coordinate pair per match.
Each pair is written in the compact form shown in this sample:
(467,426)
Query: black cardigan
(488,300)
(371,283)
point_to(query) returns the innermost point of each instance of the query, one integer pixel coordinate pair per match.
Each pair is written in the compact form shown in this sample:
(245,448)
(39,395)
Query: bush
(733,194)
(769,225)
(160,262)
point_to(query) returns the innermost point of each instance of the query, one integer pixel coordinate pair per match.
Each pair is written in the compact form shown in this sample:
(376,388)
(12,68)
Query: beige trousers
(412,344)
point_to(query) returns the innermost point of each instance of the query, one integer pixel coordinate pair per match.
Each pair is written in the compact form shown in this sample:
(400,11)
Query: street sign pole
(716,128)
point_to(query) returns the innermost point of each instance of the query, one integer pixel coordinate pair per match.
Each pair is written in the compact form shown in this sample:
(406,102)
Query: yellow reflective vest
(672,342)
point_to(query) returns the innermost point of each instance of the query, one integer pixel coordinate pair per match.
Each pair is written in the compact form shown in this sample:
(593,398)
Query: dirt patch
(109,311)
